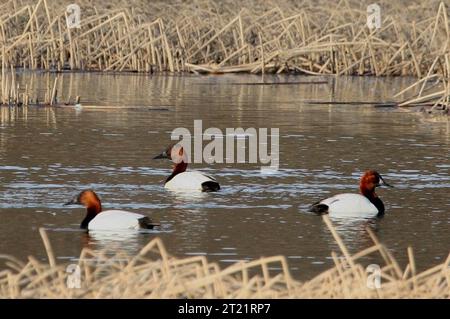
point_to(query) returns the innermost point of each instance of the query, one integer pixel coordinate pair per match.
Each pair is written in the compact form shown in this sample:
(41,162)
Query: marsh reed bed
(15,95)
(312,37)
(153,273)
(207,36)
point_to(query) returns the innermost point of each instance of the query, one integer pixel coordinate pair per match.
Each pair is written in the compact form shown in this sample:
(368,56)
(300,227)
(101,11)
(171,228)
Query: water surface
(47,155)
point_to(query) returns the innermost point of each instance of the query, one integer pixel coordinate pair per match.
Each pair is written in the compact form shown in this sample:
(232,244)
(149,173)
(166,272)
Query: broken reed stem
(53,97)
(48,247)
(339,241)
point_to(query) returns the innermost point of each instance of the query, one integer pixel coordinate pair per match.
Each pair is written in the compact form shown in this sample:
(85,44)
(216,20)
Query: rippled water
(48,155)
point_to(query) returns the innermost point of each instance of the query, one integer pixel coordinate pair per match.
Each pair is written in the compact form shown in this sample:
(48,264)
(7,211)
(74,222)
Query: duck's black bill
(383,183)
(73,201)
(161,156)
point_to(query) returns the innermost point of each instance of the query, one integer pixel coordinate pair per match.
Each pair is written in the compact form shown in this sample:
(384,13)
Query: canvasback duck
(96,219)
(182,180)
(366,204)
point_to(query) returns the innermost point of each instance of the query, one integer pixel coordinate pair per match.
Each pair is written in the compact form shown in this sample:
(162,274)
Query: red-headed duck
(365,204)
(182,180)
(97,219)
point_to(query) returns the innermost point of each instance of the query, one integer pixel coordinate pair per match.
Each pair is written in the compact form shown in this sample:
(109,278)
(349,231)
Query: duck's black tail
(210,186)
(319,209)
(147,223)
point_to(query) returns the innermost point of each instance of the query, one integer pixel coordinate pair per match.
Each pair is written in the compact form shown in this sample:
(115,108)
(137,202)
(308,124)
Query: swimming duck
(182,180)
(365,204)
(96,219)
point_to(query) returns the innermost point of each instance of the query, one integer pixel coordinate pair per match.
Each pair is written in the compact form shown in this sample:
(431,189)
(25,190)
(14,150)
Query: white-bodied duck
(97,219)
(182,180)
(366,204)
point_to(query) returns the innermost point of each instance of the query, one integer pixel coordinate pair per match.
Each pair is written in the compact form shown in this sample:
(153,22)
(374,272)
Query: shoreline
(246,36)
(435,110)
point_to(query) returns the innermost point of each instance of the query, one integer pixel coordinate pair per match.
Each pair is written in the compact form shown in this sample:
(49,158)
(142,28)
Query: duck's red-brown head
(89,199)
(176,153)
(369,181)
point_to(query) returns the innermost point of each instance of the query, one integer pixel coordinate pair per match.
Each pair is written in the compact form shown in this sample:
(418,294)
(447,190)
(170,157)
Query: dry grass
(431,91)
(12,94)
(153,273)
(208,36)
(228,36)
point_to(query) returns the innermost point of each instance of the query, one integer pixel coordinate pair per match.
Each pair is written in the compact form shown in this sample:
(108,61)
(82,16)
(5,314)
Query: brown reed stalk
(153,273)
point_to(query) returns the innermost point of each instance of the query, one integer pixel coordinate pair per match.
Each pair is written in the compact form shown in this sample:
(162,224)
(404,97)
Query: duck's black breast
(379,205)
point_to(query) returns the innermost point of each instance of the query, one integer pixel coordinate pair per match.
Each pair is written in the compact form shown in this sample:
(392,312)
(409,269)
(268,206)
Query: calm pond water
(47,155)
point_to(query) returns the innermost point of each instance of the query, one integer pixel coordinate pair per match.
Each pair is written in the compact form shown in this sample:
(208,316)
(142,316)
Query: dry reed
(208,36)
(153,273)
(13,95)
(311,37)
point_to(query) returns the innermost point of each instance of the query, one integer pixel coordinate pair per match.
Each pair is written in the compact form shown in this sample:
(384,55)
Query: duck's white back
(350,205)
(188,181)
(115,220)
